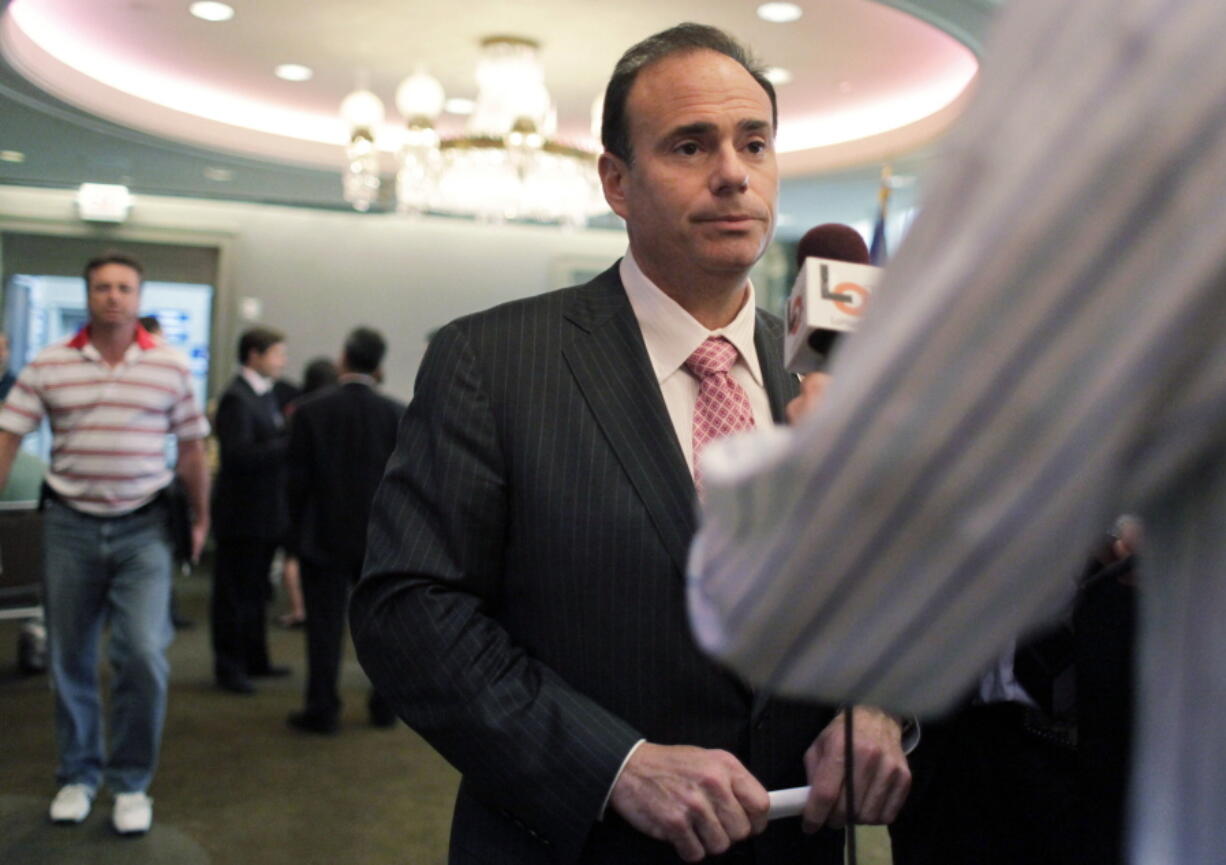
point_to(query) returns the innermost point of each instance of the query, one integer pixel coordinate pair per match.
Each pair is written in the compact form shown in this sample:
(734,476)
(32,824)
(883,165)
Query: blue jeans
(102,570)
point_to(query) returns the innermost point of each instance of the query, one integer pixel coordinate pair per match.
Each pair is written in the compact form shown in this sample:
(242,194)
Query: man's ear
(614,178)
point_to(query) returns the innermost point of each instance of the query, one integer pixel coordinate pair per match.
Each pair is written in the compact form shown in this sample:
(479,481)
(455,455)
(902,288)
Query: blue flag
(876,250)
(877,253)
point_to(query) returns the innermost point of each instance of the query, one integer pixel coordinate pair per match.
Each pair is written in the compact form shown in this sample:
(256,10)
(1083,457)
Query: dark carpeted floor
(235,785)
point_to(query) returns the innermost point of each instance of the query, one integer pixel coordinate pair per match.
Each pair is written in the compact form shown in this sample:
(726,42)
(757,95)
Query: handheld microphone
(834,284)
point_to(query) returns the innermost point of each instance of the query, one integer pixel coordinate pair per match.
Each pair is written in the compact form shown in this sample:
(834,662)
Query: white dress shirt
(672,335)
(1047,350)
(259,383)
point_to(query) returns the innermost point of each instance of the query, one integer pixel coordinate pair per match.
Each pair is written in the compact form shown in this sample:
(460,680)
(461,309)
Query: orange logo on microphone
(841,298)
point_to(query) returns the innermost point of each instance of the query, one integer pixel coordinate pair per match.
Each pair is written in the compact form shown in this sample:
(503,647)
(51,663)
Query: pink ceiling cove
(868,80)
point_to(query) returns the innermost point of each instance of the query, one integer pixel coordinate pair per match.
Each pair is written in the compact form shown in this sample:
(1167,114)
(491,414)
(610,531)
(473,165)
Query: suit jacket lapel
(263,407)
(780,384)
(244,387)
(609,361)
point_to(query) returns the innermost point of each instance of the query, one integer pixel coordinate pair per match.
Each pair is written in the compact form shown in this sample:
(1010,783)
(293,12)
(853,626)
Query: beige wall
(319,273)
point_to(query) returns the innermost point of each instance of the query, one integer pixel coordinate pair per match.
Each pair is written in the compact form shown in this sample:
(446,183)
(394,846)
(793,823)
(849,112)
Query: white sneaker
(133,814)
(72,803)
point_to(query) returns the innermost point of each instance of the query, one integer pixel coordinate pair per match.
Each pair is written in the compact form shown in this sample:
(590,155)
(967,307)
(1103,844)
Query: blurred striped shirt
(108,424)
(1048,350)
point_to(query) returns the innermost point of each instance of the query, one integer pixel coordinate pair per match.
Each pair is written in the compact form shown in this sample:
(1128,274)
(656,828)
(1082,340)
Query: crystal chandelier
(364,111)
(507,165)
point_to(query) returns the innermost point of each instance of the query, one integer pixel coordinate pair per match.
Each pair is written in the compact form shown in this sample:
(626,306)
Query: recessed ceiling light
(12,156)
(218,175)
(209,10)
(777,75)
(455,105)
(779,13)
(294,72)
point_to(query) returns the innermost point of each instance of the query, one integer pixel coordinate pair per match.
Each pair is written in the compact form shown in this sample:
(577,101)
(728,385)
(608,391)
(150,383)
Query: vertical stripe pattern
(1046,351)
(523,601)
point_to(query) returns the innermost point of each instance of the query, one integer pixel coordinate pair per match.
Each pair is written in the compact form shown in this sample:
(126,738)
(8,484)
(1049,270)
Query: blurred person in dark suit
(249,512)
(319,372)
(1104,653)
(340,439)
(1033,767)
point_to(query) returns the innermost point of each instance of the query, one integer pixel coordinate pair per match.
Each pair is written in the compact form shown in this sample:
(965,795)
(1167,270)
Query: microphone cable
(848,770)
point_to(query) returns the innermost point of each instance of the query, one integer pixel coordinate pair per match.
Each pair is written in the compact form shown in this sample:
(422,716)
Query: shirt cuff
(607,796)
(910,734)
(737,457)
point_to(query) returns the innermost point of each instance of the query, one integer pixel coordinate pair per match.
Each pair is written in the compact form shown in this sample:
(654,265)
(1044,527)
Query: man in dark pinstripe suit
(523,605)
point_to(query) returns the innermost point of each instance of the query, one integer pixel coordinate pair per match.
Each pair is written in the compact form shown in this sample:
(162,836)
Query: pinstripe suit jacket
(523,604)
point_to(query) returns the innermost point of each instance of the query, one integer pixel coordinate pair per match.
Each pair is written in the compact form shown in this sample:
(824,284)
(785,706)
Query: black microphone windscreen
(822,341)
(832,240)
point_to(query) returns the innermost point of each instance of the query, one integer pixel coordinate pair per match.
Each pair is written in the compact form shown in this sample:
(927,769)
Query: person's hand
(200,531)
(701,801)
(1129,535)
(812,386)
(881,776)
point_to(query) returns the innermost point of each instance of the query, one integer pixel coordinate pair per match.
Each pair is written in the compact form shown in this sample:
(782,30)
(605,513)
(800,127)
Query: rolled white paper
(787,803)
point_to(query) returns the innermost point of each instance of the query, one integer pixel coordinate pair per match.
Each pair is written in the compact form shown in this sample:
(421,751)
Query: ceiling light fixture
(780,13)
(15,156)
(294,72)
(209,10)
(363,111)
(507,165)
(456,105)
(778,76)
(103,202)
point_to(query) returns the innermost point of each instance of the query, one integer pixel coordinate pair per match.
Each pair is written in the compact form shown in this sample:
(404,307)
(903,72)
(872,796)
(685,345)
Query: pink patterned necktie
(723,406)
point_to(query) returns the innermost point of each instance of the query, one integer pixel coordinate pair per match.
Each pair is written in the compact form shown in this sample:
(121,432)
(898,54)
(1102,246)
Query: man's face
(113,295)
(270,363)
(700,195)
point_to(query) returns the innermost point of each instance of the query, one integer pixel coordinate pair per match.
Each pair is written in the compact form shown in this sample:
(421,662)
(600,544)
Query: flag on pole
(877,252)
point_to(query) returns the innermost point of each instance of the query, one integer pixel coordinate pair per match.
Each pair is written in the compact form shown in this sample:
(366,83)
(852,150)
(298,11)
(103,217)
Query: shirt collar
(259,383)
(143,341)
(672,334)
(357,378)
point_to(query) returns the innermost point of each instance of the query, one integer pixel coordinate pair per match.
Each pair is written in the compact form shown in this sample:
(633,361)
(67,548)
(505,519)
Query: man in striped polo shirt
(111,394)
